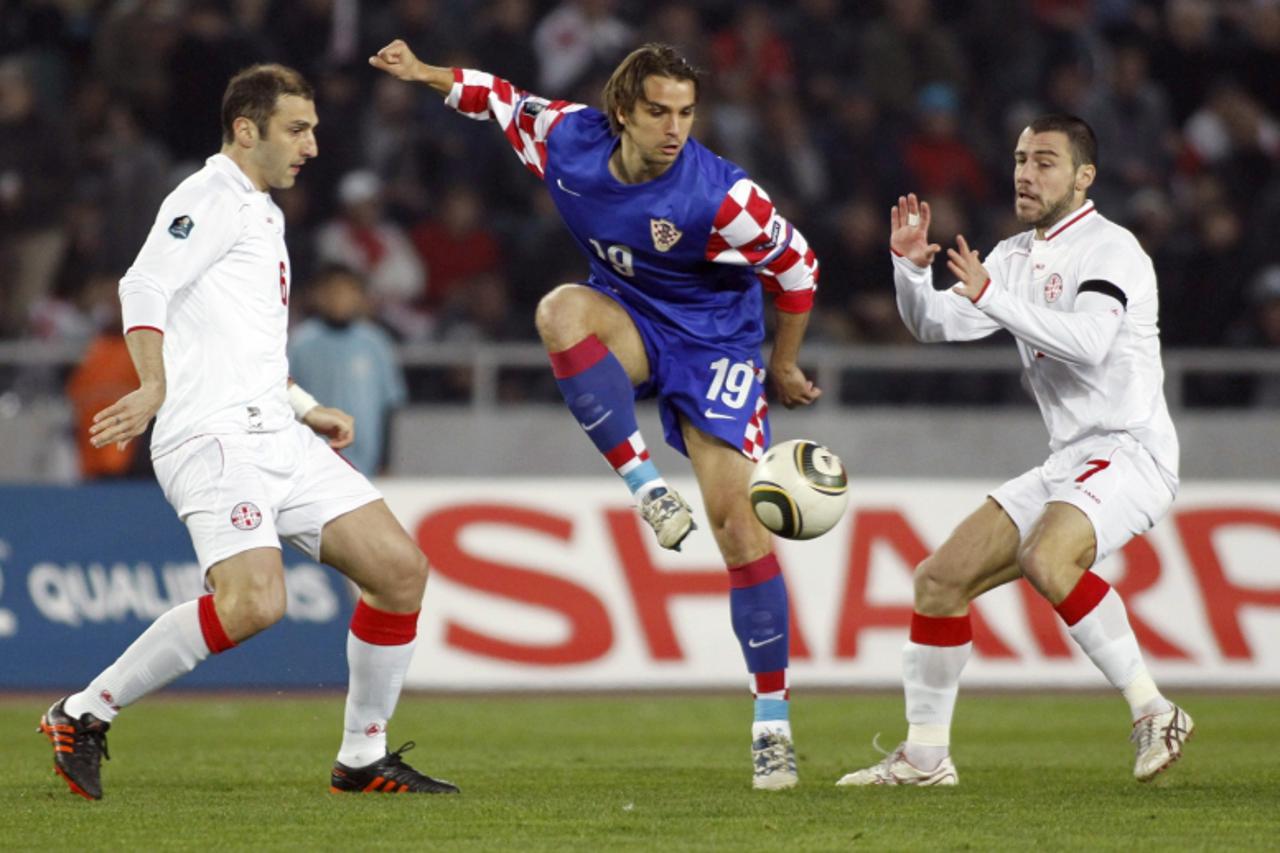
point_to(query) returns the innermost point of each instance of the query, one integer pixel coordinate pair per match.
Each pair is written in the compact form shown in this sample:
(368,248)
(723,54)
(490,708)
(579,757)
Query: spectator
(577,39)
(455,246)
(339,354)
(105,373)
(905,50)
(937,159)
(379,250)
(34,186)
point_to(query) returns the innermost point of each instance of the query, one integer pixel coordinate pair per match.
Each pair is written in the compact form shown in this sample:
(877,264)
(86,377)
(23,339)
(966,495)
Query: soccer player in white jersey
(238,452)
(1078,294)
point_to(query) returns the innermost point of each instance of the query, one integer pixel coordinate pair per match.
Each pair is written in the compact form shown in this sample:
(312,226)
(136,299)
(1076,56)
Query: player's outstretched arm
(127,418)
(398,60)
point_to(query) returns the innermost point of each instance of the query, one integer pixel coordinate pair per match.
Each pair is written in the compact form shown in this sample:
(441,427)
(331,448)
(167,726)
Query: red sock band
(383,628)
(577,358)
(756,572)
(1083,598)
(770,682)
(211,627)
(940,630)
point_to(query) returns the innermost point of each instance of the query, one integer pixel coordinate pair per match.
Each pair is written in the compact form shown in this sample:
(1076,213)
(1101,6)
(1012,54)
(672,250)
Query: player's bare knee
(1036,566)
(403,580)
(251,610)
(939,589)
(560,317)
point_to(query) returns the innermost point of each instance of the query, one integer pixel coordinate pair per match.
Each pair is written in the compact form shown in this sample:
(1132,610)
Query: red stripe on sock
(756,572)
(770,682)
(215,637)
(940,630)
(577,358)
(1083,598)
(623,453)
(383,628)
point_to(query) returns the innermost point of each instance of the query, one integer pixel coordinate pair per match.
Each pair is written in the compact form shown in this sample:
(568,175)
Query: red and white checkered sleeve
(526,120)
(749,231)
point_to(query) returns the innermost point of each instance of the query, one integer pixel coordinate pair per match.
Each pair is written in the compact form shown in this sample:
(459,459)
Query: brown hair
(1080,137)
(253,93)
(626,84)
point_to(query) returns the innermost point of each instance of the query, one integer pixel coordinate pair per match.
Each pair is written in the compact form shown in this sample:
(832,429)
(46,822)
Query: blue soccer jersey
(684,253)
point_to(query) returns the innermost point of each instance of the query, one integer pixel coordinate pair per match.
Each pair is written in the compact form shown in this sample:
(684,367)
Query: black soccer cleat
(78,748)
(387,775)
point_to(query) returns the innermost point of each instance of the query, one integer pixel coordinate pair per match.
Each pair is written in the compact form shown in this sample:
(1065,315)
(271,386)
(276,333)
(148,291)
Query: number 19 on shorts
(730,383)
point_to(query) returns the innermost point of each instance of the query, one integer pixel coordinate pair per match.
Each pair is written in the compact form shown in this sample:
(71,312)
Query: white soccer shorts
(238,492)
(1111,478)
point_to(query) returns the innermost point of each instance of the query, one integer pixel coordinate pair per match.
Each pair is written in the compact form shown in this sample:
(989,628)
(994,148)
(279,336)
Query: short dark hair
(626,83)
(1080,137)
(253,93)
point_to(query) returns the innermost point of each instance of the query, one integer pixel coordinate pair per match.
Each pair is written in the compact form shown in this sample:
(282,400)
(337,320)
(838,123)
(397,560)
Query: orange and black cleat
(78,748)
(387,775)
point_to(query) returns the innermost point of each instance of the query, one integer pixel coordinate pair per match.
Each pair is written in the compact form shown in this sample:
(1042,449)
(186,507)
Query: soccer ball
(799,490)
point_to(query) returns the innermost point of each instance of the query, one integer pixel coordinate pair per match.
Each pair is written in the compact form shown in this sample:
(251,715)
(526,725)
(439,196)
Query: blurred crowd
(834,107)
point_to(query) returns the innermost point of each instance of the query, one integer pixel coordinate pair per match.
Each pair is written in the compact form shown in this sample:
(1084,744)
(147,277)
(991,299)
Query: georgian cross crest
(665,234)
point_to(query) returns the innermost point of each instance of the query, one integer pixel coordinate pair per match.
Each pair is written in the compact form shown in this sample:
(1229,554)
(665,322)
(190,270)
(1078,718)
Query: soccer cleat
(387,775)
(774,758)
(1158,739)
(78,748)
(896,770)
(669,516)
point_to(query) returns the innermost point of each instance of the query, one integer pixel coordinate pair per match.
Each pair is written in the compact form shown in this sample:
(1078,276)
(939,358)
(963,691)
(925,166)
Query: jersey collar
(1070,219)
(228,167)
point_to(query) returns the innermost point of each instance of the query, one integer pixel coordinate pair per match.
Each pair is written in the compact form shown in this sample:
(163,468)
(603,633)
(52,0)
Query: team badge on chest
(1053,288)
(665,234)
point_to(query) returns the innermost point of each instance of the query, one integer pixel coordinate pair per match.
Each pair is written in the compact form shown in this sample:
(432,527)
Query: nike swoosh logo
(589,427)
(753,644)
(563,188)
(717,416)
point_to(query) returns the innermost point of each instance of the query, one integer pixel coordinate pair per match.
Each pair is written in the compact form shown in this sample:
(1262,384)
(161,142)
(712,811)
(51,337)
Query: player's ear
(245,130)
(1085,176)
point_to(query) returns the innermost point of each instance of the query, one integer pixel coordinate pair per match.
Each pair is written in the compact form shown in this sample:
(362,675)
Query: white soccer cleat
(669,516)
(1159,739)
(774,758)
(896,770)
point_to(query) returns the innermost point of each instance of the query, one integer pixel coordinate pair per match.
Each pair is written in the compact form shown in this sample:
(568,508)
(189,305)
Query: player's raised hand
(793,387)
(966,265)
(334,424)
(909,230)
(126,418)
(398,60)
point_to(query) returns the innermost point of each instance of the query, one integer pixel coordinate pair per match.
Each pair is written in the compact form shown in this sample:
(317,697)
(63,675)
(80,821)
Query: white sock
(171,647)
(377,674)
(764,727)
(931,681)
(1104,634)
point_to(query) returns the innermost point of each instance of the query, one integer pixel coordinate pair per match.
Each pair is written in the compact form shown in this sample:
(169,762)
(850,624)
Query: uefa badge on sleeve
(181,227)
(665,234)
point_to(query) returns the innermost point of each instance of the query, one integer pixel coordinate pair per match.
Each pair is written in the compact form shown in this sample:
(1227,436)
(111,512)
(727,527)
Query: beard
(1055,212)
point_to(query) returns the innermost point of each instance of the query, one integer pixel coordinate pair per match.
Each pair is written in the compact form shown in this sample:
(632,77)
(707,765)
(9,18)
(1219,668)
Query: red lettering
(1223,599)
(590,631)
(652,589)
(857,614)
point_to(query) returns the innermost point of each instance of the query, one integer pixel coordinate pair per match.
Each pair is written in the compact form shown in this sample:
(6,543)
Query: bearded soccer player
(238,451)
(679,241)
(1078,294)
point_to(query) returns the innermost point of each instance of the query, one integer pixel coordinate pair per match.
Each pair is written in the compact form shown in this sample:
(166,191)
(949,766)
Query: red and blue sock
(758,609)
(596,388)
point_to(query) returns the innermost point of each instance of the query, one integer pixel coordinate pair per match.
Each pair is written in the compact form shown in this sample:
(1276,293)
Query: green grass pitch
(645,772)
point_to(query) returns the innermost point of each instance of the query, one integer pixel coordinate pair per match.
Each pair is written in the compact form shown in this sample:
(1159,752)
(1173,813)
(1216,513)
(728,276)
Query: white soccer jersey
(213,277)
(1082,305)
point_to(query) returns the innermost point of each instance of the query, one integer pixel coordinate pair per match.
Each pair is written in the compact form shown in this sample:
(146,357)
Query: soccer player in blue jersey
(679,242)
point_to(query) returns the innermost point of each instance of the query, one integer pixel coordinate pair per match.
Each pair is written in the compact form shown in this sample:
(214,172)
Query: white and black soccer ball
(799,489)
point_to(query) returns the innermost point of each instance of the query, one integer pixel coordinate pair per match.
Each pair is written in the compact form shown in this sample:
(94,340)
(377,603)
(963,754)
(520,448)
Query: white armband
(301,401)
